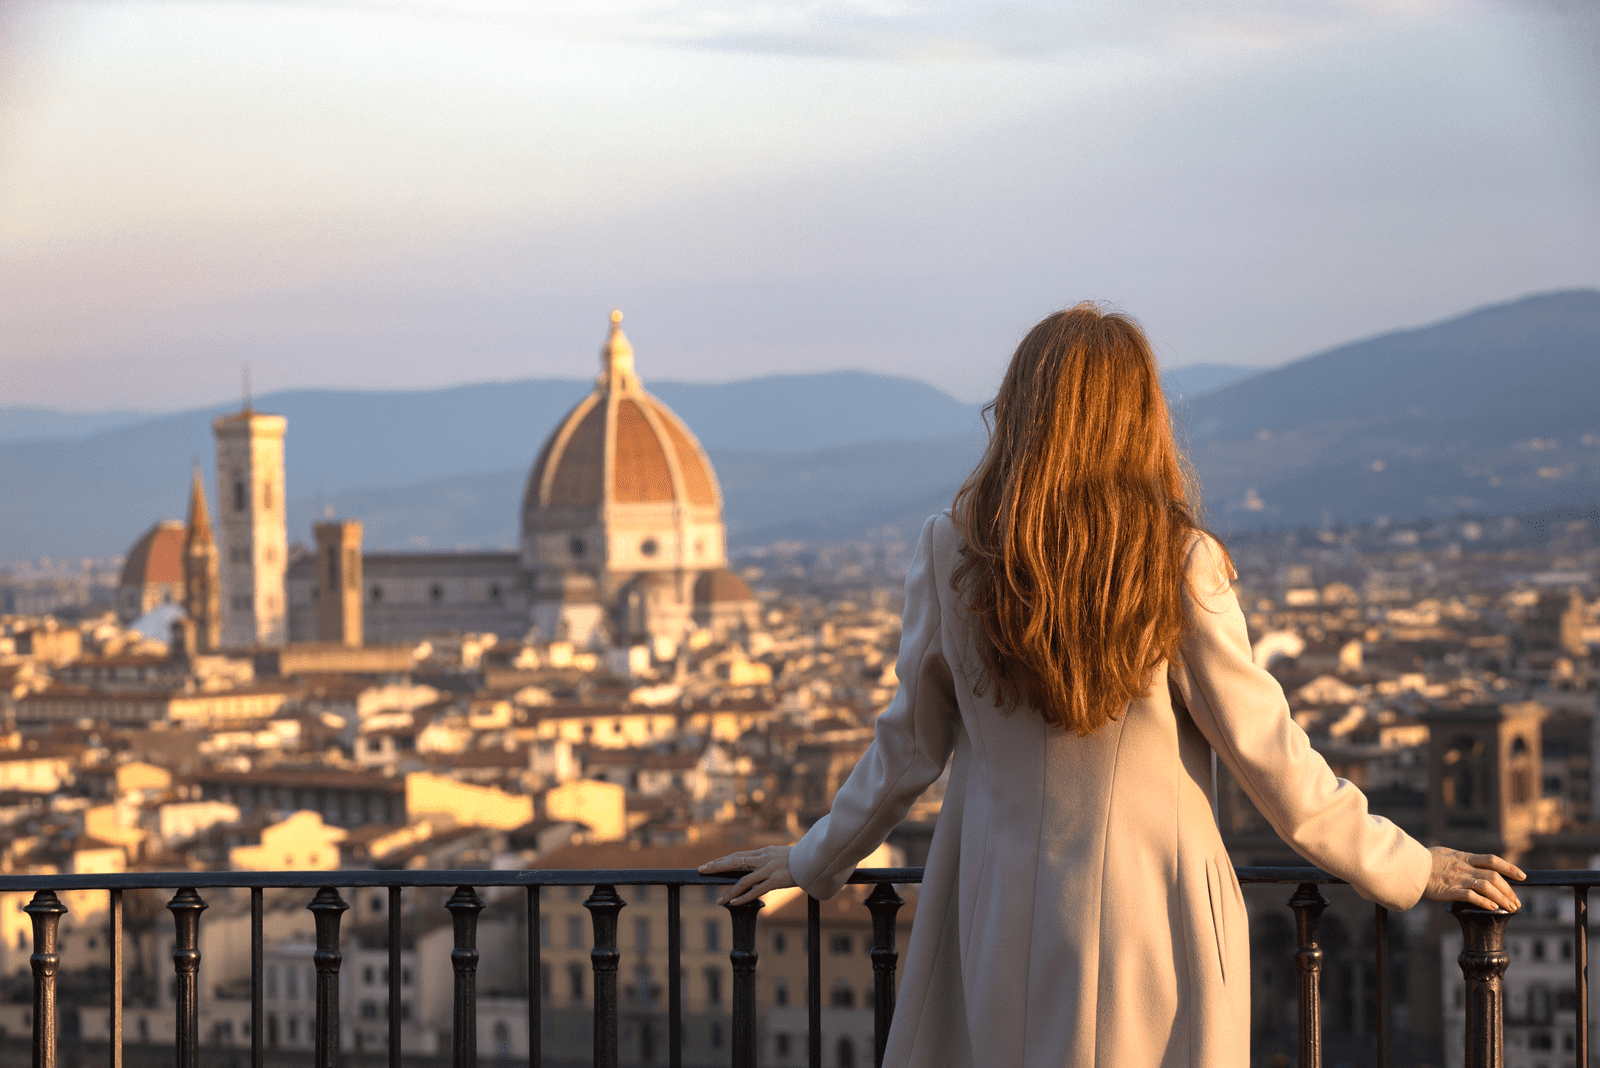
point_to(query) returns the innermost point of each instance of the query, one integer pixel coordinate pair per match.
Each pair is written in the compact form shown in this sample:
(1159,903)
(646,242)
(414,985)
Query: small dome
(620,445)
(157,557)
(721,586)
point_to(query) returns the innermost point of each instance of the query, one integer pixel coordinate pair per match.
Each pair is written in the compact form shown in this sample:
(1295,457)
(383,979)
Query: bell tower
(338,580)
(201,577)
(253,530)
(1486,791)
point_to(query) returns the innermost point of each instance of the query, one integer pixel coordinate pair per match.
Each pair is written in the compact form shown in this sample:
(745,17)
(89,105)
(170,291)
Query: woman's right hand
(1476,878)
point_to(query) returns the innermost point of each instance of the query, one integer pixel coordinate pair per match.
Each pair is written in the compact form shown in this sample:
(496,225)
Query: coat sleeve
(1242,711)
(911,742)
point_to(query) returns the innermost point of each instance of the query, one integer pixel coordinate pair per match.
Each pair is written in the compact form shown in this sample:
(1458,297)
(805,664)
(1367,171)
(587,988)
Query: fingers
(1494,863)
(732,862)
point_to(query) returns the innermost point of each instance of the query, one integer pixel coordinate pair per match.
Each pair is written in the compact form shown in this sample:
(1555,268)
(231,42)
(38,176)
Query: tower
(1486,790)
(253,532)
(201,581)
(338,581)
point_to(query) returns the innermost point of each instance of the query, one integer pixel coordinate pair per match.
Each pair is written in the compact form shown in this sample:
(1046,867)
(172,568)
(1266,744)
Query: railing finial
(1483,963)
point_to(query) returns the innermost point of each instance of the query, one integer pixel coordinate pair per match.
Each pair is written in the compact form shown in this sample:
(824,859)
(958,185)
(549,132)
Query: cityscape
(390,628)
(624,691)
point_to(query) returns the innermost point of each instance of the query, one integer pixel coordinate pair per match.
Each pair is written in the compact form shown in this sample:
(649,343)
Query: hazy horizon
(418,193)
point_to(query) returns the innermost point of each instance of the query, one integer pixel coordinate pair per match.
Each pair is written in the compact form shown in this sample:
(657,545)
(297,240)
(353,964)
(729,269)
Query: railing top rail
(1572,877)
(406,877)
(416,877)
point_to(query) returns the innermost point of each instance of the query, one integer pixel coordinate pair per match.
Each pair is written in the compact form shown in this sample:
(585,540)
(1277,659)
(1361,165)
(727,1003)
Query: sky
(398,194)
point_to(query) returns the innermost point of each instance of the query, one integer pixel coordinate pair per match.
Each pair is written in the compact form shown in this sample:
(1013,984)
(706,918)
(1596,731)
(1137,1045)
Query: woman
(1072,637)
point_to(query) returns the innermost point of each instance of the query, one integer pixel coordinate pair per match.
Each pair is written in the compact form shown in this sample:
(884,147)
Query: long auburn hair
(1075,524)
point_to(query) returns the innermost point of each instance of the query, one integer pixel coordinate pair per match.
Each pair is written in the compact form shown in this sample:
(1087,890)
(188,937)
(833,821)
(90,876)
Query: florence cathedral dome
(622,516)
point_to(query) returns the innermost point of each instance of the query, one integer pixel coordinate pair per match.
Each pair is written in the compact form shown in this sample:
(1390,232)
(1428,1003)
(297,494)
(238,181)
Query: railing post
(883,903)
(186,907)
(603,906)
(114,1024)
(675,976)
(1580,969)
(1308,904)
(46,911)
(464,906)
(813,982)
(258,954)
(327,907)
(743,958)
(1483,962)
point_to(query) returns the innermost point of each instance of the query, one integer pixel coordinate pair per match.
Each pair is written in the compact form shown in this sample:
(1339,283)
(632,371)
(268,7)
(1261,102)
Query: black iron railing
(1483,959)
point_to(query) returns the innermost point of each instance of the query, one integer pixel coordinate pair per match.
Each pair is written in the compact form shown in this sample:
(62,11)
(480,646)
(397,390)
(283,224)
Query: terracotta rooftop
(157,557)
(652,457)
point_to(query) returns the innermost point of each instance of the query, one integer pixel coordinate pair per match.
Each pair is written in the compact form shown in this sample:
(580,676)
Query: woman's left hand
(765,870)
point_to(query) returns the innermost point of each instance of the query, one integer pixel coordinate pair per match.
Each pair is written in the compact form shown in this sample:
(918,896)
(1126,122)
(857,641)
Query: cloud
(921,31)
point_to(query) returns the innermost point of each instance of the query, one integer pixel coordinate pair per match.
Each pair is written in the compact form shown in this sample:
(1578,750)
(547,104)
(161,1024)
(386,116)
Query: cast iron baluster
(464,907)
(603,906)
(535,984)
(1483,964)
(813,982)
(1381,931)
(116,978)
(883,903)
(1308,904)
(257,967)
(186,907)
(1580,969)
(46,911)
(743,958)
(395,976)
(327,907)
(675,977)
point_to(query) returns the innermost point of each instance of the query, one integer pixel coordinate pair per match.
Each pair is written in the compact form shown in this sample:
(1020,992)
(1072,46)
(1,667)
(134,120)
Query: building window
(713,986)
(241,497)
(641,934)
(842,996)
(266,495)
(436,592)
(494,593)
(846,1053)
(649,547)
(376,594)
(576,546)
(544,982)
(839,944)
(575,982)
(544,930)
(713,936)
(574,932)
(780,992)
(716,1034)
(782,1044)
(780,942)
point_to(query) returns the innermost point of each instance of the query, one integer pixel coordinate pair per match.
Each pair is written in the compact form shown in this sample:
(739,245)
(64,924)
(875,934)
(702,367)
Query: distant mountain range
(1495,411)
(1486,412)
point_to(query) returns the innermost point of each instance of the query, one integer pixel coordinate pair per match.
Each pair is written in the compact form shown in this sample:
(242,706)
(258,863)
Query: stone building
(622,531)
(622,542)
(254,535)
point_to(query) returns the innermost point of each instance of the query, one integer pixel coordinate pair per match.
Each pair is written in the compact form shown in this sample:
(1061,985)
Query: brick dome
(157,557)
(620,445)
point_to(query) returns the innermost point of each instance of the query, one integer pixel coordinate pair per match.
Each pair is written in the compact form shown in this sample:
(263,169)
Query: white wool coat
(1078,907)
